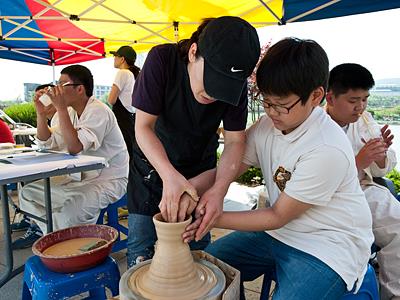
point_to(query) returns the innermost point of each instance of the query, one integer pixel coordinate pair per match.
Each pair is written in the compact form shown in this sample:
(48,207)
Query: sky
(368,39)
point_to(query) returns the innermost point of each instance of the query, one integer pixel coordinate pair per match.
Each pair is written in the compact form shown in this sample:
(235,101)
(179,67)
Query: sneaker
(23,225)
(31,235)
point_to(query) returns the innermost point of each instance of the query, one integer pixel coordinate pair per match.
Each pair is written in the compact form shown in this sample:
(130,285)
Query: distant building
(100,90)
(29,90)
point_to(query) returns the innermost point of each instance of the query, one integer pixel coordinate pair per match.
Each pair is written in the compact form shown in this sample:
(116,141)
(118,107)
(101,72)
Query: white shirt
(99,134)
(337,229)
(125,81)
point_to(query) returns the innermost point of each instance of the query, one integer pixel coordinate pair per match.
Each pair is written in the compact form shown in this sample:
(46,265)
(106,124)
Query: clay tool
(368,125)
(92,245)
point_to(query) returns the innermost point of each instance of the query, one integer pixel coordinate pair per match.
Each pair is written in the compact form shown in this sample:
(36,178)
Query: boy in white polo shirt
(347,99)
(316,235)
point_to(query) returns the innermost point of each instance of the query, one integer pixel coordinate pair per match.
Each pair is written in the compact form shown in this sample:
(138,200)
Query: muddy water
(70,247)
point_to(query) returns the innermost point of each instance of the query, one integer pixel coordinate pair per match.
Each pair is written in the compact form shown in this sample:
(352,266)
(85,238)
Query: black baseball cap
(230,48)
(125,51)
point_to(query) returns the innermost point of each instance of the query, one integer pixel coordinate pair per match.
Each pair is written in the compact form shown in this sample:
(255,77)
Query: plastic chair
(41,283)
(368,290)
(386,182)
(12,187)
(113,221)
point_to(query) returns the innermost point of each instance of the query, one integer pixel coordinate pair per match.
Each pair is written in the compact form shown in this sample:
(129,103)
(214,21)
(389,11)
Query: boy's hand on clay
(190,231)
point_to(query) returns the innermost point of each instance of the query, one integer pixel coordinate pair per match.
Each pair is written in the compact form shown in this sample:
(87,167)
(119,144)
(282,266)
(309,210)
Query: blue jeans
(142,237)
(299,275)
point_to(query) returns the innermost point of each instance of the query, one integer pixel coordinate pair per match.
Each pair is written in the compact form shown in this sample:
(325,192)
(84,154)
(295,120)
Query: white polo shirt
(125,81)
(337,229)
(99,133)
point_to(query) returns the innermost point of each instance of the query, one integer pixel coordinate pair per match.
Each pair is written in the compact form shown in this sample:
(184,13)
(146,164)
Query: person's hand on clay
(210,207)
(173,189)
(186,206)
(190,231)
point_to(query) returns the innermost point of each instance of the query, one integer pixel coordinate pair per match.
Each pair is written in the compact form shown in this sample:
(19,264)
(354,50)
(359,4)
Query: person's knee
(141,239)
(136,257)
(79,214)
(202,244)
(216,249)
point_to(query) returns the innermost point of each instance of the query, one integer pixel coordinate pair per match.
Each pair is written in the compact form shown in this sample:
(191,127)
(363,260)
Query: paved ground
(12,289)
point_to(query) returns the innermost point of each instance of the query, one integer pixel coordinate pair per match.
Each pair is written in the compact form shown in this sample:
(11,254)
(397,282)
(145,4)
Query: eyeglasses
(72,84)
(68,83)
(279,108)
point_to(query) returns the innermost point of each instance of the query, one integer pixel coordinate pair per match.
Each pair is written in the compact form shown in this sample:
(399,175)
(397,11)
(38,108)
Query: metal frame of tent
(7,117)
(120,18)
(170,21)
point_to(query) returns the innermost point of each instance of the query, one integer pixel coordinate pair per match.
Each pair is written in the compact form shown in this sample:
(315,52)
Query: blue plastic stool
(112,214)
(12,187)
(41,283)
(367,291)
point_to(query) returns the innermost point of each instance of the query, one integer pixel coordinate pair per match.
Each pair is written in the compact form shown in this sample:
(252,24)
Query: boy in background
(347,99)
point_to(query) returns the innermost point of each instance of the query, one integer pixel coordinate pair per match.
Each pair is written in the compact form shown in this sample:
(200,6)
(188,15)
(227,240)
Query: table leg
(7,237)
(47,201)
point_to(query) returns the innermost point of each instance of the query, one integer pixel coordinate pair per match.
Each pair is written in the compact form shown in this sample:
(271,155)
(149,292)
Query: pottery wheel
(203,281)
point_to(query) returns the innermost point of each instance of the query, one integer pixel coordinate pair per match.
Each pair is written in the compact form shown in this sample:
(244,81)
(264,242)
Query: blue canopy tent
(299,11)
(57,32)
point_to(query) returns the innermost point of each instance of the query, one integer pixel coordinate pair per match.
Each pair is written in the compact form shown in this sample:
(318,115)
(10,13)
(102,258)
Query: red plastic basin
(78,262)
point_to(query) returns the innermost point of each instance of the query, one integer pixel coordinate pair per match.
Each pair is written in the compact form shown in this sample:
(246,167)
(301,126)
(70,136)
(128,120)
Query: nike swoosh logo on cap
(233,70)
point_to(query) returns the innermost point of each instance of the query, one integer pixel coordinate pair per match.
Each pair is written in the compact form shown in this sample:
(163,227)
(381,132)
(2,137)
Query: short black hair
(43,86)
(82,75)
(184,45)
(349,76)
(293,66)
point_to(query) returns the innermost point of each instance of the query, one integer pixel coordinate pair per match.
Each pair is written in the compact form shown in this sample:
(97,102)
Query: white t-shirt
(337,229)
(99,133)
(125,81)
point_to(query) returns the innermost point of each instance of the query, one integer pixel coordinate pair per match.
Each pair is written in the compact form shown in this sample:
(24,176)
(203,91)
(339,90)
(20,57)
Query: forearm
(253,220)
(207,179)
(386,165)
(284,210)
(113,95)
(203,181)
(43,131)
(229,165)
(154,151)
(69,133)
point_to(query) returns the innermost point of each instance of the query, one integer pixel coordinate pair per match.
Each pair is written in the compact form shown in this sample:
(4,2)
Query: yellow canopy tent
(146,23)
(70,31)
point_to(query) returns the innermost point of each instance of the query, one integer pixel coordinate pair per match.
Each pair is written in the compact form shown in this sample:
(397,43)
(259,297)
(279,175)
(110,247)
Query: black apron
(126,122)
(187,130)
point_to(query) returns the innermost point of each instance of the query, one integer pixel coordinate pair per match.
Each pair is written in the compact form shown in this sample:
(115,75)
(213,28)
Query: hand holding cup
(45,99)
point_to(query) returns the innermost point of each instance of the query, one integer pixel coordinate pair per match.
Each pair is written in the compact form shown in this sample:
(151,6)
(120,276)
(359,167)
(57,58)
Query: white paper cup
(45,99)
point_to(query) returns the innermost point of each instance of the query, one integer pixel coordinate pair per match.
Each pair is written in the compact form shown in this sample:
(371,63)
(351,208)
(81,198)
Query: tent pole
(54,73)
(53,65)
(176,31)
